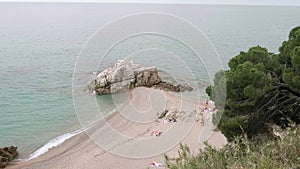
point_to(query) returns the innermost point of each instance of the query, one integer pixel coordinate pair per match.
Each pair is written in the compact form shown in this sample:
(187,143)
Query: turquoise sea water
(39,44)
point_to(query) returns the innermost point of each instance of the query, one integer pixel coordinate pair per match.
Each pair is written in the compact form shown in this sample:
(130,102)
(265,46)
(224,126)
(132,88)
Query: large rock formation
(126,75)
(7,154)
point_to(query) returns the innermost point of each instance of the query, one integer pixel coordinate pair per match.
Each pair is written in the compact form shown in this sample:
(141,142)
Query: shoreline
(50,153)
(57,141)
(82,142)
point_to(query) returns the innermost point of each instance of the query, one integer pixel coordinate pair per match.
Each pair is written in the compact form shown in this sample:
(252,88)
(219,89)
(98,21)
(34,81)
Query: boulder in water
(7,154)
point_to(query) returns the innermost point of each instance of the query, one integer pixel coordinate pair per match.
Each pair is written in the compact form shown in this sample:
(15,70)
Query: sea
(40,46)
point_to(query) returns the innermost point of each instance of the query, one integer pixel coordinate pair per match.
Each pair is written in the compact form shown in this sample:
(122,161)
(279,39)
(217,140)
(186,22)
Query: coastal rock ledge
(7,154)
(126,75)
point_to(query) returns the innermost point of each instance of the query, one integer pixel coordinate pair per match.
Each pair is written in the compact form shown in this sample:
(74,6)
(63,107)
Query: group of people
(208,109)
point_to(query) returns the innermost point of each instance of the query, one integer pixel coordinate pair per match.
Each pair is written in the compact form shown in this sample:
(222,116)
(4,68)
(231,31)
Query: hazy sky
(239,2)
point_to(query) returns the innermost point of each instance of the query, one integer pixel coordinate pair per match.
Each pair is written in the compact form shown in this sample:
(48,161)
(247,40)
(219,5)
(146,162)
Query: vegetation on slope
(280,153)
(262,90)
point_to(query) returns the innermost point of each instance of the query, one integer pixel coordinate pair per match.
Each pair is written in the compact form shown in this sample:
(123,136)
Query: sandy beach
(125,140)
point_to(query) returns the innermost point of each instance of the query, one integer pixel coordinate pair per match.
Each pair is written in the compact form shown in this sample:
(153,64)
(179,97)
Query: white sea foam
(62,138)
(53,143)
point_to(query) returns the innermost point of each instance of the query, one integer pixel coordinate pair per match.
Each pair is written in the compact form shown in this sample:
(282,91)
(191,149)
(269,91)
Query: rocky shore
(126,75)
(7,154)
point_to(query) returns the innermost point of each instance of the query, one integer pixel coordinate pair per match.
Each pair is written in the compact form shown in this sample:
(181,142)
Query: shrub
(280,152)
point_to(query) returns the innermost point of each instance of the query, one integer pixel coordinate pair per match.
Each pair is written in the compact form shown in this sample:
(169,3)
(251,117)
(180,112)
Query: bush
(282,152)
(261,88)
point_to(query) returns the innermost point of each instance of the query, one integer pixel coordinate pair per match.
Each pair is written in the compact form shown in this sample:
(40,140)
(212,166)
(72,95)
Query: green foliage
(242,152)
(258,89)
(291,75)
(208,90)
(245,86)
(290,57)
(255,55)
(287,47)
(232,126)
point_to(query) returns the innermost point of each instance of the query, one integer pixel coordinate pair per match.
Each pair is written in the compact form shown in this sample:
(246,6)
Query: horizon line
(153,3)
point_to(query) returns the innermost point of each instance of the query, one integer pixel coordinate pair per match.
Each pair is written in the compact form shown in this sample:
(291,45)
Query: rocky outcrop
(126,75)
(170,87)
(174,115)
(7,154)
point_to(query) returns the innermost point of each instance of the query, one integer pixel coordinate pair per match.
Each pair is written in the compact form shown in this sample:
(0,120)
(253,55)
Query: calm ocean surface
(39,44)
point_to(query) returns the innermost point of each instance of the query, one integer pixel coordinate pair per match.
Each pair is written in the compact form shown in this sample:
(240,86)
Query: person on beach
(172,120)
(205,110)
(155,164)
(156,133)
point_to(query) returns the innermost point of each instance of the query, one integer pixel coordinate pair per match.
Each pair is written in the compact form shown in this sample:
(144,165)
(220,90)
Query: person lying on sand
(155,164)
(156,133)
(170,120)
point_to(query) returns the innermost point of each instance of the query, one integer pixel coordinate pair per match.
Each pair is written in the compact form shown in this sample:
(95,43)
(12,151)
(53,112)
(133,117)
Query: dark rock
(170,87)
(185,88)
(7,154)
(162,114)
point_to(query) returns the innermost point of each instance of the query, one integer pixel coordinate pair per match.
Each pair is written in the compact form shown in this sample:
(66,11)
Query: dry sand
(123,139)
